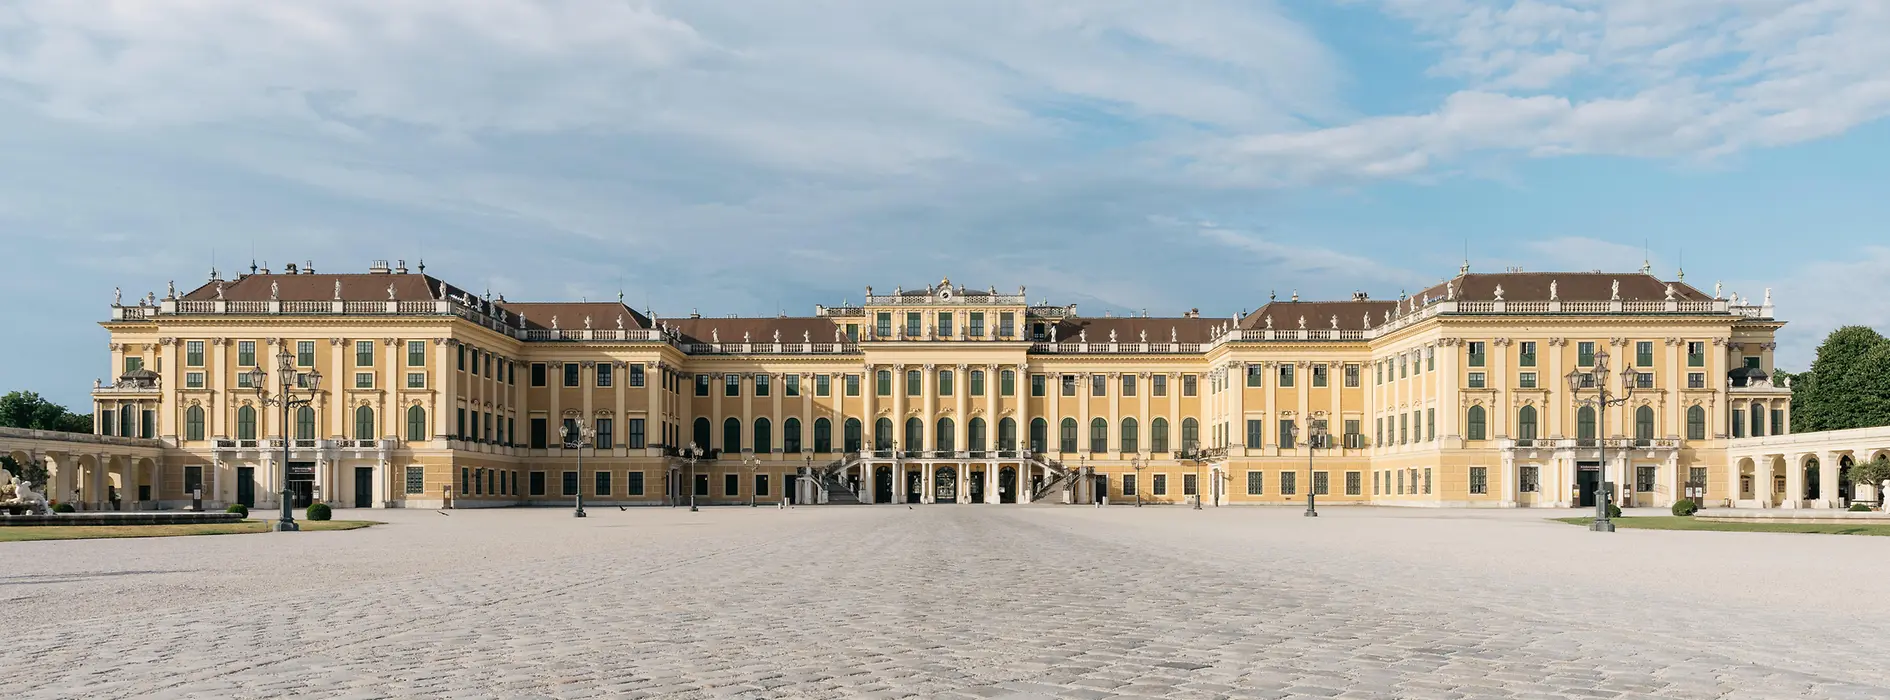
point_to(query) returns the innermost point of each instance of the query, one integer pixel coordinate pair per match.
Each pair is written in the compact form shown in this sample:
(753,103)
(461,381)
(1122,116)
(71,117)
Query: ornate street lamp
(751,463)
(290,380)
(578,438)
(1597,379)
(1316,437)
(690,454)
(1136,464)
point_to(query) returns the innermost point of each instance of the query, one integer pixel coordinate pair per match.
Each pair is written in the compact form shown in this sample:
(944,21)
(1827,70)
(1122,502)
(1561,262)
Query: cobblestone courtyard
(949,601)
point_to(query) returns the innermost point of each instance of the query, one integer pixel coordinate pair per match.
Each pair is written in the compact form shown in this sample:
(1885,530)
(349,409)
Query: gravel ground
(949,601)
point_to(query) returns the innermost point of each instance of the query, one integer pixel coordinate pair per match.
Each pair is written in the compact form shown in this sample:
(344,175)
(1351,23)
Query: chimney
(308,267)
(289,269)
(378,268)
(1192,313)
(1360,296)
(400,268)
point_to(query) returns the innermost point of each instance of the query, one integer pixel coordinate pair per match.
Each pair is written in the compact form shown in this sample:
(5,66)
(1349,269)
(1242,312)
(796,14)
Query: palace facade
(432,396)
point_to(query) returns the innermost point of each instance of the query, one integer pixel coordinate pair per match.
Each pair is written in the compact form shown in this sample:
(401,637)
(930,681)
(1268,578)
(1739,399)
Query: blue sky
(744,157)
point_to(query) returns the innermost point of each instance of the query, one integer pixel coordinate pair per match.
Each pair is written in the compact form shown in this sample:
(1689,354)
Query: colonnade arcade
(1802,470)
(92,472)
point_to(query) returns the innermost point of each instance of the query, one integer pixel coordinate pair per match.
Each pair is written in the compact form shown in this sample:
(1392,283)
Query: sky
(759,156)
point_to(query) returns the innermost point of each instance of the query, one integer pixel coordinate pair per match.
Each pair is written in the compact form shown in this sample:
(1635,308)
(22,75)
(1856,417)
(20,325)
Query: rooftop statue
(1552,295)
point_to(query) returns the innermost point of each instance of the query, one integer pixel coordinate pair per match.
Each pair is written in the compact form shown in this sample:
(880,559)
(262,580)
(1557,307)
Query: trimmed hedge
(64,508)
(1614,511)
(319,511)
(238,509)
(1685,506)
(1860,508)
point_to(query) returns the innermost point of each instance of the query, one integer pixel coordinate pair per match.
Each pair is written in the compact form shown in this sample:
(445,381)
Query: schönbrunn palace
(433,396)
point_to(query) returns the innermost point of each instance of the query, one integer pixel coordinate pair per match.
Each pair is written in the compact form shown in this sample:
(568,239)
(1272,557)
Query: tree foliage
(31,471)
(1848,385)
(25,409)
(1872,473)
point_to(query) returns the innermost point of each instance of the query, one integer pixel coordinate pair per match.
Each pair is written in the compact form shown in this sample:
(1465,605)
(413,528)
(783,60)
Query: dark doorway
(702,485)
(882,485)
(1844,479)
(792,483)
(364,487)
(1100,489)
(945,485)
(975,491)
(537,484)
(1587,480)
(246,486)
(915,486)
(1007,485)
(144,492)
(302,484)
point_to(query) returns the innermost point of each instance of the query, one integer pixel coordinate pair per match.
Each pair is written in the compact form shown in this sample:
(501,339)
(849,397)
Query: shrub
(319,511)
(1860,507)
(1614,511)
(1685,506)
(63,508)
(238,509)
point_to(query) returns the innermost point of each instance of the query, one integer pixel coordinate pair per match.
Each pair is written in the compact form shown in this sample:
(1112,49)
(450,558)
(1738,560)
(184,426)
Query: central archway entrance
(915,486)
(945,484)
(883,484)
(1007,485)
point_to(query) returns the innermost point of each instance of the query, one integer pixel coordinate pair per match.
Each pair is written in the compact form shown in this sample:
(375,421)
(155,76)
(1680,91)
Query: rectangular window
(1128,384)
(416,353)
(1529,479)
(1006,325)
(944,324)
(462,358)
(883,383)
(636,374)
(1128,484)
(1778,421)
(1256,374)
(1378,432)
(1354,483)
(603,484)
(571,374)
(915,382)
(246,353)
(853,385)
(1007,383)
(974,326)
(1351,376)
(538,374)
(913,327)
(1256,483)
(416,480)
(823,385)
(1190,485)
(1287,436)
(1478,353)
(1098,385)
(1751,362)
(364,353)
(1527,357)
(363,380)
(1476,380)
(1644,353)
(1289,483)
(1321,484)
(1738,422)
(1643,380)
(1256,432)
(945,380)
(305,353)
(633,437)
(1158,385)
(1319,376)
(853,332)
(976,383)
(1696,380)
(1643,479)
(416,380)
(1430,359)
(1585,353)
(570,485)
(1190,385)
(1404,428)
(761,484)
(1286,375)
(1696,354)
(1037,385)
(1430,424)
(1159,486)
(702,384)
(883,325)
(1427,481)
(1479,481)
(1069,384)
(763,385)
(606,435)
(633,483)
(731,485)
(731,385)
(193,353)
(1354,437)
(605,375)
(790,385)
(1401,482)
(1526,380)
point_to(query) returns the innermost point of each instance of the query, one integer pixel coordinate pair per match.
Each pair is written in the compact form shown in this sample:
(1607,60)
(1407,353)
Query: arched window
(1190,434)
(1131,435)
(1039,435)
(305,423)
(764,436)
(1644,424)
(882,434)
(701,429)
(1007,434)
(823,434)
(246,423)
(416,423)
(1066,435)
(363,423)
(1526,423)
(1098,435)
(1474,424)
(193,423)
(851,435)
(915,434)
(128,421)
(791,435)
(975,437)
(1158,435)
(1585,424)
(1757,418)
(1696,422)
(731,436)
(947,437)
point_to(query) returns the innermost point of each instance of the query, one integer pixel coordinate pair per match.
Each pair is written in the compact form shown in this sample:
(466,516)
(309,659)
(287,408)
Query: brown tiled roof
(1570,286)
(1319,314)
(1129,329)
(571,314)
(321,287)
(759,330)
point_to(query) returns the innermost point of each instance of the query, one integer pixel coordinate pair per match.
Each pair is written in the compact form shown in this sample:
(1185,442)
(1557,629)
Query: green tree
(1838,392)
(25,409)
(1872,473)
(34,472)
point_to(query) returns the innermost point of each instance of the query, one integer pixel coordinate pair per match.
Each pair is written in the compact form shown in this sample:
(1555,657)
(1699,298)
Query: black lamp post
(289,380)
(690,454)
(1597,378)
(577,438)
(1136,464)
(1315,437)
(751,463)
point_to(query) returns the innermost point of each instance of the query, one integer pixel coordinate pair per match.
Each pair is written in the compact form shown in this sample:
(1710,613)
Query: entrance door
(1007,485)
(915,486)
(882,485)
(1100,488)
(976,490)
(790,482)
(246,486)
(946,486)
(364,487)
(1587,479)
